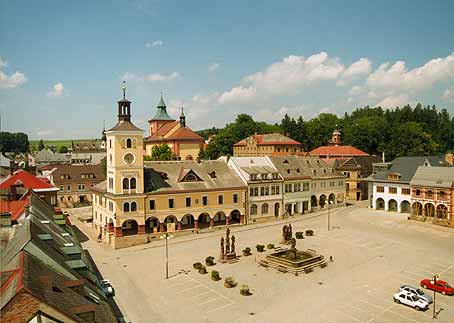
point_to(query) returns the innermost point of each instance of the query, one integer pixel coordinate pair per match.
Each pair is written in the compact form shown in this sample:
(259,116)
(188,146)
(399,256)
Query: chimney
(449,157)
(12,166)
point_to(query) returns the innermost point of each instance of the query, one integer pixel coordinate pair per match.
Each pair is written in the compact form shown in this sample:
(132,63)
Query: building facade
(264,184)
(432,195)
(139,200)
(184,143)
(266,145)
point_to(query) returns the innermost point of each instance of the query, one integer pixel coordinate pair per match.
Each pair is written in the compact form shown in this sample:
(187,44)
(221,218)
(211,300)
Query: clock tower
(124,146)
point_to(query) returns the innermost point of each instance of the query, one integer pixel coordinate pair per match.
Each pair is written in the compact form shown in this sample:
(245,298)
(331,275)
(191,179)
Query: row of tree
(399,132)
(13,142)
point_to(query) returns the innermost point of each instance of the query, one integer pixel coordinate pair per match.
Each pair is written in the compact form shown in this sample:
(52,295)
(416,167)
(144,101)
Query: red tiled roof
(16,208)
(338,151)
(27,180)
(166,128)
(266,139)
(181,133)
(185,133)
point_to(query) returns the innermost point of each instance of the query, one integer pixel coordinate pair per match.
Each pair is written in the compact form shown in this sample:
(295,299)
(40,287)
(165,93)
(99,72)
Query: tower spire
(124,90)
(182,117)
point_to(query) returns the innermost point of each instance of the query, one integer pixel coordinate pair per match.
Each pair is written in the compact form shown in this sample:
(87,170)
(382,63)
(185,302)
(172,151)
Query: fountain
(293,260)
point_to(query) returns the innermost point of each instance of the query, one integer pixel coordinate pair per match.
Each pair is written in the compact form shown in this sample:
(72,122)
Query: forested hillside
(398,132)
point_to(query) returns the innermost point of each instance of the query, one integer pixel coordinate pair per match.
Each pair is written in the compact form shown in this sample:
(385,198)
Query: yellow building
(139,200)
(184,143)
(266,145)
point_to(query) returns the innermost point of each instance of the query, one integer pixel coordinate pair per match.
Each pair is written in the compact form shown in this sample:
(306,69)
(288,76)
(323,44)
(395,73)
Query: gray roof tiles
(442,177)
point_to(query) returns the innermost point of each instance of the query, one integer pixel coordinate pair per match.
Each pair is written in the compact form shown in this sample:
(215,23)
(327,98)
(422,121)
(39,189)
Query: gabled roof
(337,151)
(442,177)
(47,155)
(269,139)
(15,208)
(297,167)
(407,166)
(167,132)
(164,176)
(76,171)
(124,125)
(22,177)
(363,164)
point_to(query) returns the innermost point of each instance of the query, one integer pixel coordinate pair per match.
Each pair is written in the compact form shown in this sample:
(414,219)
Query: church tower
(336,138)
(160,118)
(124,153)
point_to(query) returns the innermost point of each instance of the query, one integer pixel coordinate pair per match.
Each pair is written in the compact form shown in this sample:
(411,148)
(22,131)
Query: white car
(409,299)
(416,291)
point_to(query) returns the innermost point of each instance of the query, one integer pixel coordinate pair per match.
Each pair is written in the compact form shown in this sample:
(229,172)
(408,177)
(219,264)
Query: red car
(439,286)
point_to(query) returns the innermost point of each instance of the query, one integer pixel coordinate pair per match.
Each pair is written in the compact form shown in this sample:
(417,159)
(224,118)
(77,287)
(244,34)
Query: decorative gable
(188,175)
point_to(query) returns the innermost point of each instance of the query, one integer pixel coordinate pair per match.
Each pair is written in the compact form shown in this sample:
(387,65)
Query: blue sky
(62,62)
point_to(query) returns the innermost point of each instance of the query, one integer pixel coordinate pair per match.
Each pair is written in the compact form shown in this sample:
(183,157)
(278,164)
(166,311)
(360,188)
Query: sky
(62,63)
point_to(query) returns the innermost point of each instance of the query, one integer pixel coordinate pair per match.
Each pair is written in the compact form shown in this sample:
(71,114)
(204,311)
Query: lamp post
(329,214)
(434,315)
(166,236)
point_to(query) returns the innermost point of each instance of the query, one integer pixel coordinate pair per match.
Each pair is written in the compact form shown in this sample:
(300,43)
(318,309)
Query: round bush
(197,265)
(260,247)
(215,275)
(270,246)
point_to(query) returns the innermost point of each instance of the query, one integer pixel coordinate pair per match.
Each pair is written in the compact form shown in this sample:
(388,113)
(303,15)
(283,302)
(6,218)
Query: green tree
(63,150)
(41,145)
(161,152)
(14,142)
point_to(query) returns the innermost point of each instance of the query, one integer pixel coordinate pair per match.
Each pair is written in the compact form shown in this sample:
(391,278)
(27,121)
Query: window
(133,207)
(442,195)
(221,199)
(265,208)
(253,177)
(275,176)
(405,191)
(110,143)
(380,189)
(125,183)
(277,190)
(110,183)
(429,194)
(188,202)
(128,143)
(126,207)
(253,209)
(152,204)
(133,183)
(110,158)
(251,191)
(81,187)
(392,190)
(235,198)
(62,188)
(418,192)
(262,191)
(273,190)
(306,186)
(267,190)
(171,203)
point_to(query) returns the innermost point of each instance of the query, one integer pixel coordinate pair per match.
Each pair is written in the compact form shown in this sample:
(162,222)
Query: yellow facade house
(139,200)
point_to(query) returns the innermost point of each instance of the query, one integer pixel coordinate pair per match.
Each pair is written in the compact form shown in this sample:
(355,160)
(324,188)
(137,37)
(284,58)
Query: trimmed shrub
(246,251)
(260,247)
(197,265)
(202,270)
(244,290)
(309,233)
(229,282)
(299,235)
(308,270)
(270,246)
(210,261)
(215,275)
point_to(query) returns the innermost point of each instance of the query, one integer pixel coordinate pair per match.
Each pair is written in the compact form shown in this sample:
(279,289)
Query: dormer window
(253,177)
(286,161)
(393,177)
(189,175)
(298,170)
(212,174)
(288,171)
(190,178)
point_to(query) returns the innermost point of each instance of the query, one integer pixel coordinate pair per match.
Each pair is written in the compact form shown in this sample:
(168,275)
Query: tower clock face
(129,158)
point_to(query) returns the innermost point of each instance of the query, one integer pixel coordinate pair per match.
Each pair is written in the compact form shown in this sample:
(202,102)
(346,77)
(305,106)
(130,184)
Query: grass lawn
(57,143)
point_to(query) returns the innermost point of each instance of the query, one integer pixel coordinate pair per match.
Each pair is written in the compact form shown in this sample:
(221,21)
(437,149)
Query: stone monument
(228,249)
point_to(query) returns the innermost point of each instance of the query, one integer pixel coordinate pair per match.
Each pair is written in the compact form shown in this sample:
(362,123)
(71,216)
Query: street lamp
(329,214)
(167,236)
(434,312)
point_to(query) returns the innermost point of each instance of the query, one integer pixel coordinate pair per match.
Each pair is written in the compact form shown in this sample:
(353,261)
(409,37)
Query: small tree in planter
(244,290)
(210,261)
(229,282)
(260,247)
(246,251)
(203,270)
(215,275)
(309,233)
(270,246)
(197,265)
(299,235)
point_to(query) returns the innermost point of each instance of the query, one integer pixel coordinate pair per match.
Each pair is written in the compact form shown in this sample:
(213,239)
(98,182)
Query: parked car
(107,287)
(416,291)
(439,286)
(408,299)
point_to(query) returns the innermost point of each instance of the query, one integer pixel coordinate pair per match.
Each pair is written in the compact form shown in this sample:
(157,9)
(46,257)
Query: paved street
(374,253)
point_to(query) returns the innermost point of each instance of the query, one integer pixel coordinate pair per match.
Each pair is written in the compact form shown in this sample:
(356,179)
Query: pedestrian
(331,259)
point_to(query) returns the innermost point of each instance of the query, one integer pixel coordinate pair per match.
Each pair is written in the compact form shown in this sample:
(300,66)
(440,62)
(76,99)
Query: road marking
(189,288)
(349,315)
(381,313)
(447,269)
(209,301)
(218,308)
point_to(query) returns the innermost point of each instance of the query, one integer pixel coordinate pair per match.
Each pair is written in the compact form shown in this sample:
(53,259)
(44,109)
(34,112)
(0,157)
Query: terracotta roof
(338,151)
(16,208)
(269,139)
(166,128)
(181,133)
(184,133)
(124,125)
(27,180)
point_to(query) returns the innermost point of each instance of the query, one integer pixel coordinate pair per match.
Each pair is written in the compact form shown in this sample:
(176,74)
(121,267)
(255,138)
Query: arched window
(128,143)
(133,206)
(253,209)
(126,207)
(110,158)
(133,183)
(125,183)
(265,208)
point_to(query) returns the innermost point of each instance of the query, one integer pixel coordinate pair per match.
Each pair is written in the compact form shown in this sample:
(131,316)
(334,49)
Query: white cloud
(153,77)
(356,90)
(156,43)
(45,132)
(12,81)
(359,68)
(3,63)
(238,94)
(213,67)
(57,90)
(394,101)
(448,95)
(295,71)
